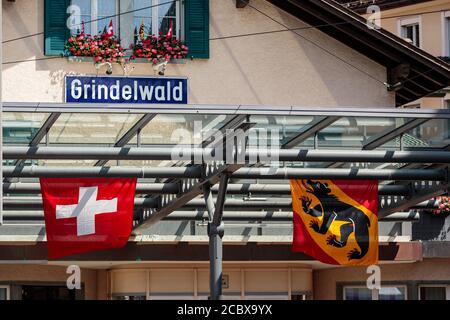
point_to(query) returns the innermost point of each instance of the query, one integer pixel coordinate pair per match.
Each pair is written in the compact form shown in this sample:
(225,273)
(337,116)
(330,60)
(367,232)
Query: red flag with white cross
(87,214)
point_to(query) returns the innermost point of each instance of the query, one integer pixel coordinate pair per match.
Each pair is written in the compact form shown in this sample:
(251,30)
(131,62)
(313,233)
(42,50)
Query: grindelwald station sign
(93,89)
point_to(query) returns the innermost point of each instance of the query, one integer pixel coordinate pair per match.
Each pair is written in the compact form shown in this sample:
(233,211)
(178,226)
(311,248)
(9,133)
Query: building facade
(266,55)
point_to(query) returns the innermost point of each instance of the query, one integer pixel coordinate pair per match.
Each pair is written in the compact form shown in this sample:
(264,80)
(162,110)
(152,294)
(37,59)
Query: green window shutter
(196,13)
(56,32)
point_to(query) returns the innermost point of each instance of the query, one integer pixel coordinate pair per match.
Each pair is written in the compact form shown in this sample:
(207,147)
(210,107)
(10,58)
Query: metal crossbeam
(133,131)
(215,232)
(310,130)
(251,155)
(201,215)
(241,173)
(125,172)
(97,108)
(238,205)
(235,189)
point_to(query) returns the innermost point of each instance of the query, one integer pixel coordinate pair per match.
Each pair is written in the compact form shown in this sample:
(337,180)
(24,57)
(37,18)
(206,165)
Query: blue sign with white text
(157,90)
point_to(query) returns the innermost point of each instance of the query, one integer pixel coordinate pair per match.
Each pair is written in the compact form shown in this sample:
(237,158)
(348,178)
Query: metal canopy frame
(187,190)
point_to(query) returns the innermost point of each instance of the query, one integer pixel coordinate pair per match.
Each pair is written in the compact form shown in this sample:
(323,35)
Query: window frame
(446,286)
(412,21)
(8,291)
(445,33)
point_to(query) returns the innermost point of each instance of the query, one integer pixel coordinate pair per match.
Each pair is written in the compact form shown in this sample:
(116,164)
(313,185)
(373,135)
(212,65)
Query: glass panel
(142,17)
(392,293)
(20,128)
(179,128)
(282,129)
(432,293)
(91,128)
(85,16)
(357,294)
(354,132)
(107,10)
(167,14)
(432,134)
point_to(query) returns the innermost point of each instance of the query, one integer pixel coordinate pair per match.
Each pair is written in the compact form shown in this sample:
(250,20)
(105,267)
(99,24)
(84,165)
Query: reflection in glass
(182,129)
(20,128)
(91,128)
(142,18)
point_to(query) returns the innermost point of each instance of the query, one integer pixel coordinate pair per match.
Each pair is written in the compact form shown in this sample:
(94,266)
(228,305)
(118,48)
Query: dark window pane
(432,293)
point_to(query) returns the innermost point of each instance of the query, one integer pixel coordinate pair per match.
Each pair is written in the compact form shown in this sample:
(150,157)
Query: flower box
(137,60)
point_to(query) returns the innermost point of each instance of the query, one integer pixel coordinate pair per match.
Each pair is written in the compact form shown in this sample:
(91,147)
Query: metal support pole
(215,233)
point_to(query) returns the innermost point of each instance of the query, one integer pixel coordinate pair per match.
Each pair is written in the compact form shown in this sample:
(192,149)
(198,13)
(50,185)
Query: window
(189,21)
(154,16)
(96,15)
(357,293)
(157,17)
(434,292)
(385,293)
(4,293)
(410,29)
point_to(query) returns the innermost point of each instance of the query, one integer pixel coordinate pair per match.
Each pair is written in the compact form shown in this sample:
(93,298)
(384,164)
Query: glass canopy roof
(103,129)
(121,137)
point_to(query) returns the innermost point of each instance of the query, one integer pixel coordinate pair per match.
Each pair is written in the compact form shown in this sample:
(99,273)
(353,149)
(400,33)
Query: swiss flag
(87,214)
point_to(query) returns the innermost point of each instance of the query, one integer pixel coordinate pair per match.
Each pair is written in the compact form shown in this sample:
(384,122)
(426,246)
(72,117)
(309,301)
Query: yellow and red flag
(336,221)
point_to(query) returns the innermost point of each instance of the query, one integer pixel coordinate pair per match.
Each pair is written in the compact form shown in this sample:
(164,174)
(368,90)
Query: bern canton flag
(336,221)
(87,214)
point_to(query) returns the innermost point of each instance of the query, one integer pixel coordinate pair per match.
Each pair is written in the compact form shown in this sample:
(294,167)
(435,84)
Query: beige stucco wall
(12,273)
(427,270)
(269,69)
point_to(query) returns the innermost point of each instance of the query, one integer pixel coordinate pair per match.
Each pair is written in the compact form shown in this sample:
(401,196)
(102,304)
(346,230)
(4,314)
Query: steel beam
(142,172)
(173,188)
(226,110)
(269,204)
(356,174)
(258,155)
(310,130)
(242,173)
(201,215)
(216,230)
(141,123)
